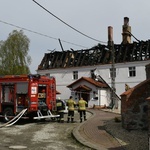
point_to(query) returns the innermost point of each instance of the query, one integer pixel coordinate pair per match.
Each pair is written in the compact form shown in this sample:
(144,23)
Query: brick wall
(134,106)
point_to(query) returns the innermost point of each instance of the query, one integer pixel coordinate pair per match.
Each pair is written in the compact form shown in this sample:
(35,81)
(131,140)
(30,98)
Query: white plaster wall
(103,98)
(91,103)
(122,75)
(64,76)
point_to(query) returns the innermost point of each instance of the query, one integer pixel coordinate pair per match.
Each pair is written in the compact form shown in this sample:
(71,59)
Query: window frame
(75,75)
(92,75)
(110,73)
(132,71)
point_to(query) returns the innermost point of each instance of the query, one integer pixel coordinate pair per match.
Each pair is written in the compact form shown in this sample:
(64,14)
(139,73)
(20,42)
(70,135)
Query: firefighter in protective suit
(82,109)
(71,105)
(60,109)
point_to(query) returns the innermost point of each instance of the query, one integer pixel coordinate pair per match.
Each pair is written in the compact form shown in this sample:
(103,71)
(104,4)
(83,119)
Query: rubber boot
(72,120)
(85,118)
(61,121)
(68,120)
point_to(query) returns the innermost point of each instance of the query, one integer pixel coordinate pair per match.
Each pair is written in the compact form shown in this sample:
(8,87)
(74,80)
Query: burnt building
(130,59)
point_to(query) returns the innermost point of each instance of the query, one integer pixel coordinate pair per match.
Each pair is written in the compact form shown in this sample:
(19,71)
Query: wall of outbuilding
(135,105)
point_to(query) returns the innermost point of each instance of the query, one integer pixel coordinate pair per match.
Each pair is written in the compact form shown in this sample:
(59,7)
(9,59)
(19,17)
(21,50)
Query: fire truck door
(8,93)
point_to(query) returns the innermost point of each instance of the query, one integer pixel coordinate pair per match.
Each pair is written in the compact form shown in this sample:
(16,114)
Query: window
(92,74)
(94,98)
(132,71)
(75,75)
(47,74)
(7,94)
(111,72)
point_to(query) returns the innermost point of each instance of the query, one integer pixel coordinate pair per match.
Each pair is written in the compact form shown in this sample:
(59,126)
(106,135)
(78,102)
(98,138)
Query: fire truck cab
(34,92)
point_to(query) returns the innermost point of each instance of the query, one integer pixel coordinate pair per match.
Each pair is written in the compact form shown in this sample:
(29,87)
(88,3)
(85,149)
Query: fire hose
(15,119)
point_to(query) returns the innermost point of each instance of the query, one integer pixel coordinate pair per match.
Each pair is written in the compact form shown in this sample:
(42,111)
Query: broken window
(75,75)
(112,72)
(132,71)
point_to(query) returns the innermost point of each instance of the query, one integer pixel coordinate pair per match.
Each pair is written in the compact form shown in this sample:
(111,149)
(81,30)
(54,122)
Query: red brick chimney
(126,30)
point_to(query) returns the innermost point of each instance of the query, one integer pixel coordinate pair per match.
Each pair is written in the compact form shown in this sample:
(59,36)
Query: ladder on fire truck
(53,96)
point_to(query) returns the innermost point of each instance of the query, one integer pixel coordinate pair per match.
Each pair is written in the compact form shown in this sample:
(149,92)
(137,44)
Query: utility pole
(112,72)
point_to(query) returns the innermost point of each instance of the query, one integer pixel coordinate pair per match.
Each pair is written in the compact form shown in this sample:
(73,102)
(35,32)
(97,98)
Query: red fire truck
(35,93)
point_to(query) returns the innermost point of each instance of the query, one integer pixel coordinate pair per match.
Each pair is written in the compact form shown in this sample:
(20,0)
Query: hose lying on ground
(15,119)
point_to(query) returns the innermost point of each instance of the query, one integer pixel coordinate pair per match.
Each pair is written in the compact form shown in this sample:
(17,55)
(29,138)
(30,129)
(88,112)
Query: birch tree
(14,58)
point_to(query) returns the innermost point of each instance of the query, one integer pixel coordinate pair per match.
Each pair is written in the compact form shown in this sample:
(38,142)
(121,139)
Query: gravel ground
(37,135)
(130,140)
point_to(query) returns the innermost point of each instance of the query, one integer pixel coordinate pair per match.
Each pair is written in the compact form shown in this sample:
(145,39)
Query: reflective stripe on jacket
(71,103)
(60,105)
(82,104)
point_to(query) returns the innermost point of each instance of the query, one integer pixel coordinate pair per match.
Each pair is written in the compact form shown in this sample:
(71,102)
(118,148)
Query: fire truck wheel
(31,117)
(8,112)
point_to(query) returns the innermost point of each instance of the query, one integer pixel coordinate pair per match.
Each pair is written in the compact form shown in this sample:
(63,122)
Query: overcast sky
(91,17)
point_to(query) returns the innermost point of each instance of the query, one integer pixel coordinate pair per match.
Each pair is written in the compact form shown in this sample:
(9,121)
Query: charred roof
(97,55)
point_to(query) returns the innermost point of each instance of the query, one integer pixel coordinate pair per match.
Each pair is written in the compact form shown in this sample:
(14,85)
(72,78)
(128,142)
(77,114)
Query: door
(85,95)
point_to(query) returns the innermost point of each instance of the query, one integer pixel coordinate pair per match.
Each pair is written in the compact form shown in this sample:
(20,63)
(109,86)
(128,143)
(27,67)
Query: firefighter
(82,104)
(127,87)
(71,106)
(60,109)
